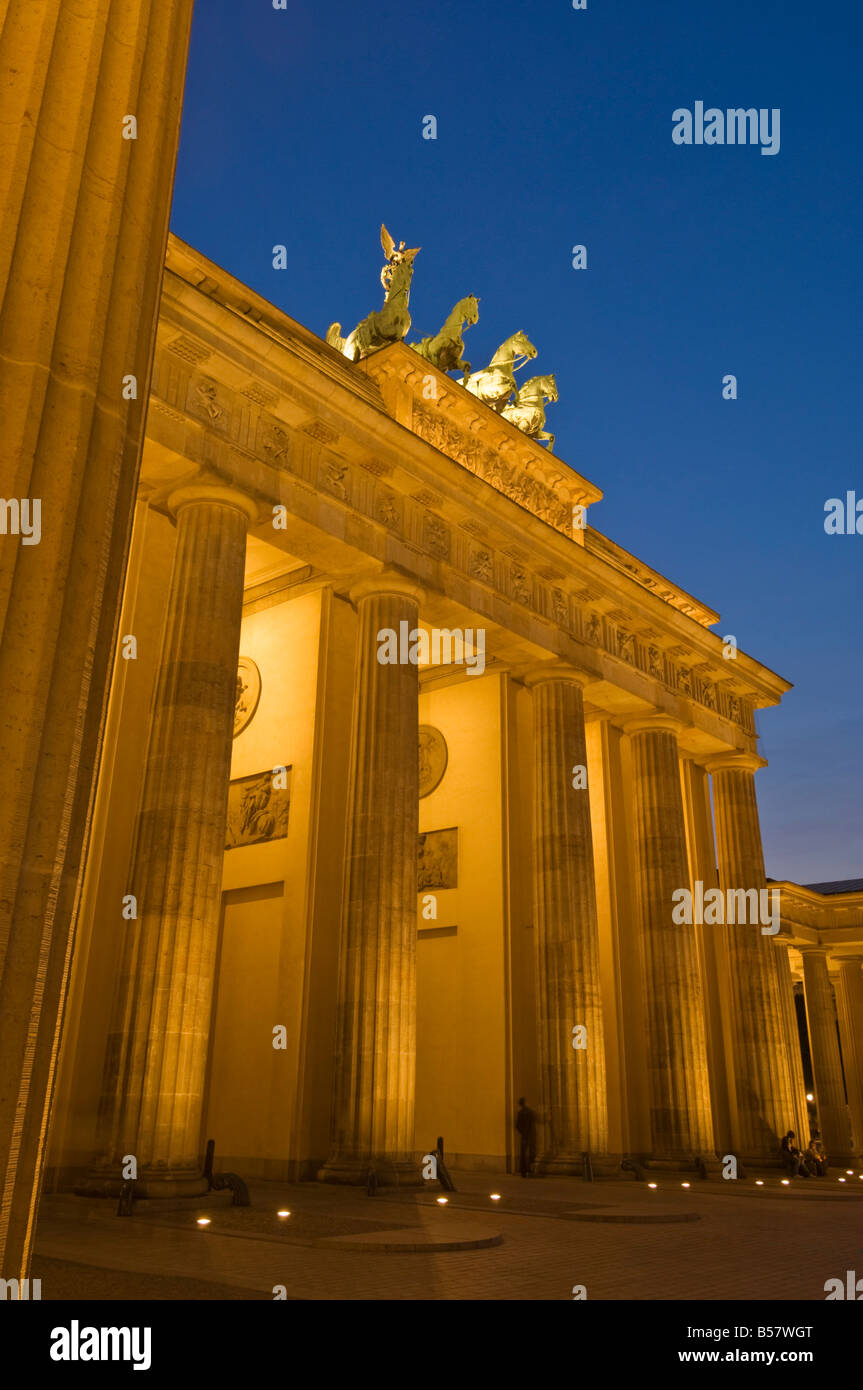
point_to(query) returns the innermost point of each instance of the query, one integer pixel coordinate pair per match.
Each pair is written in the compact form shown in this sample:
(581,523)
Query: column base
(388,1171)
(702,1164)
(101,1183)
(587,1166)
(769,1164)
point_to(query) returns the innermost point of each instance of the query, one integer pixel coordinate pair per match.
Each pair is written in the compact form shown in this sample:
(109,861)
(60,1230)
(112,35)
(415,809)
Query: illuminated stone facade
(302,997)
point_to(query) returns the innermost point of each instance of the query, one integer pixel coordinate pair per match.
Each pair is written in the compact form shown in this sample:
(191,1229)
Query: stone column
(849,1000)
(375,1062)
(767,1102)
(826,1064)
(153,1086)
(574,1104)
(799,1119)
(680,1117)
(83,228)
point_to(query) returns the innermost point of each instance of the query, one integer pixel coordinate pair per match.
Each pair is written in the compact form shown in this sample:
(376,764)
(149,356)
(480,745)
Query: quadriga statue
(445,350)
(392,322)
(527,411)
(495,383)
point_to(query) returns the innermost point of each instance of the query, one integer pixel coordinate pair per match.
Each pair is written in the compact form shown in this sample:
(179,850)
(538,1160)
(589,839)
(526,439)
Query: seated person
(791,1156)
(816,1156)
(809,1161)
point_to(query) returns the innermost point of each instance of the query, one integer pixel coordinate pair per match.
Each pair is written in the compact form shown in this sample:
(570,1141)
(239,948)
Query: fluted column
(849,1000)
(83,227)
(826,1064)
(153,1086)
(680,1115)
(798,1120)
(375,1062)
(767,1084)
(574,1103)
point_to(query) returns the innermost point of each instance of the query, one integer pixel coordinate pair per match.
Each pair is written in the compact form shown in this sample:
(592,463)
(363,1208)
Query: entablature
(288,419)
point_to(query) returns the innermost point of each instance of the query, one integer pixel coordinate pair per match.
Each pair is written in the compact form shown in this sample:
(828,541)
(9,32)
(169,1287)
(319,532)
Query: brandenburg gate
(342,898)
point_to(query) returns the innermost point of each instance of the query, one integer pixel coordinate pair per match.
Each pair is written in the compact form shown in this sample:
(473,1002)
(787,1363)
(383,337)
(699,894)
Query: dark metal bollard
(217,1182)
(127,1197)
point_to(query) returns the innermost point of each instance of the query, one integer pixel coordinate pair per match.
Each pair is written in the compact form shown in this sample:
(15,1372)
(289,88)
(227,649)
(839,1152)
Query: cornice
(651,579)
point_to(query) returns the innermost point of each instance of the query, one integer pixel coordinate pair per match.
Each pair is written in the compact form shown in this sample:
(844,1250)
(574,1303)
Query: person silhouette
(525,1123)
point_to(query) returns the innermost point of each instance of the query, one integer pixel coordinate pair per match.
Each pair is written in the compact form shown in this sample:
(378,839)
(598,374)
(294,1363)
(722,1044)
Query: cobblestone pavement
(620,1240)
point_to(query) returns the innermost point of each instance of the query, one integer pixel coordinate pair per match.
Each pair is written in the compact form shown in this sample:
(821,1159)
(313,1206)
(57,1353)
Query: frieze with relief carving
(388,509)
(481,564)
(273,441)
(520,584)
(332,477)
(209,402)
(560,608)
(655,664)
(212,404)
(513,480)
(436,537)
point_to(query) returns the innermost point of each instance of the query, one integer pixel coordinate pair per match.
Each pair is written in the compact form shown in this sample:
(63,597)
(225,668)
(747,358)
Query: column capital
(197,493)
(557,671)
(735,762)
(654,723)
(388,581)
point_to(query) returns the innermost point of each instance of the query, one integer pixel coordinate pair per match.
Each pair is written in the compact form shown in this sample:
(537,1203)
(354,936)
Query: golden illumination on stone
(293,505)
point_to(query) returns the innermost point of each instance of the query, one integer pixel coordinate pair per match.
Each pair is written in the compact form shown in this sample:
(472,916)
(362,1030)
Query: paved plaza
(620,1240)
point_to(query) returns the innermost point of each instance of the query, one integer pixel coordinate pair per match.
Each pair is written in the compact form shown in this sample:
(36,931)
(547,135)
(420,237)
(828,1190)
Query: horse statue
(445,349)
(496,383)
(527,411)
(389,324)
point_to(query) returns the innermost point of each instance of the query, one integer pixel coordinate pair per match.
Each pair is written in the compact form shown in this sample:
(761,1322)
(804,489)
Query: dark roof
(840,885)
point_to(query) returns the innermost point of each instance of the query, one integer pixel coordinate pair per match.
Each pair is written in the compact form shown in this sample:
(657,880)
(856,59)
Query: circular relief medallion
(432,757)
(248,693)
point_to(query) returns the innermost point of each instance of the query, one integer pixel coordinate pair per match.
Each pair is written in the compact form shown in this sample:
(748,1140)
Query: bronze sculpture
(389,324)
(445,349)
(527,411)
(496,383)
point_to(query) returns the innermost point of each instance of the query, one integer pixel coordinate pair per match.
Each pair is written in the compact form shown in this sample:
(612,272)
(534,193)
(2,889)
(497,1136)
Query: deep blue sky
(303,127)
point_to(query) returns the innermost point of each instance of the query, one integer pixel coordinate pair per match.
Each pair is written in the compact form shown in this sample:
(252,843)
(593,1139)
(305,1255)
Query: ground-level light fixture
(684,1184)
(651,1184)
(495,1196)
(442,1201)
(203,1221)
(786,1182)
(809,1095)
(759,1182)
(283,1213)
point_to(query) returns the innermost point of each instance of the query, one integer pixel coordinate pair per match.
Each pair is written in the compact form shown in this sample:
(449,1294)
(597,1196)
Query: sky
(303,127)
